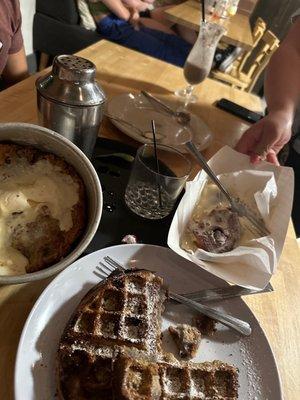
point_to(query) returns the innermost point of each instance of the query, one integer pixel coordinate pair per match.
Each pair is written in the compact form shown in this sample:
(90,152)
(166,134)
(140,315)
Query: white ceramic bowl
(50,141)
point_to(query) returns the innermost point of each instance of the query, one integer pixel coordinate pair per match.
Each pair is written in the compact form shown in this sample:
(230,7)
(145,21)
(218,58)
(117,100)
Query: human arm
(138,5)
(16,68)
(282,92)
(15,63)
(118,9)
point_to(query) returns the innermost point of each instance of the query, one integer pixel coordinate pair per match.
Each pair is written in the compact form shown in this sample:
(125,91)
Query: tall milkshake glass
(199,61)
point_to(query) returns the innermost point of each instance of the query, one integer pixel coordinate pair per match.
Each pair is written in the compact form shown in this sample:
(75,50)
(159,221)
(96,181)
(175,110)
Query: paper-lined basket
(271,188)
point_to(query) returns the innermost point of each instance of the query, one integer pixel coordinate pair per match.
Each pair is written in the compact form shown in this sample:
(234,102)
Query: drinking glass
(150,194)
(199,61)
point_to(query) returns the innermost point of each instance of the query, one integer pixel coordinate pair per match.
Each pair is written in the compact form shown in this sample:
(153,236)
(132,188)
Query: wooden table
(238,27)
(121,70)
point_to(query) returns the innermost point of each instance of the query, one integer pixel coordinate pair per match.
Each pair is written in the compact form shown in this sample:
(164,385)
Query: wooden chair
(57,30)
(258,31)
(246,80)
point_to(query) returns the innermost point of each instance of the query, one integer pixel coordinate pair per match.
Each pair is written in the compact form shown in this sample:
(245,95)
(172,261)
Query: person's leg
(157,44)
(152,24)
(158,14)
(189,35)
(172,48)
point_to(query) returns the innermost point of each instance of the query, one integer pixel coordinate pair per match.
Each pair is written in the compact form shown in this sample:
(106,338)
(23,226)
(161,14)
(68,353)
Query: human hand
(266,138)
(138,5)
(134,18)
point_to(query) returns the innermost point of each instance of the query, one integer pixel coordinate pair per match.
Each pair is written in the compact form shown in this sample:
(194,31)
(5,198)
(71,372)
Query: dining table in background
(120,70)
(238,27)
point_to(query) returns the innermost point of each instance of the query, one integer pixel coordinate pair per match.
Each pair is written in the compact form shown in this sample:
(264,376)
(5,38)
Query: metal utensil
(242,209)
(146,134)
(109,265)
(237,324)
(228,292)
(71,102)
(182,117)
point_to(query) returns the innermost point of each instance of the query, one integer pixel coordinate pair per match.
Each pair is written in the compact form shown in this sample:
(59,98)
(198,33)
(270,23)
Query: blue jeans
(164,46)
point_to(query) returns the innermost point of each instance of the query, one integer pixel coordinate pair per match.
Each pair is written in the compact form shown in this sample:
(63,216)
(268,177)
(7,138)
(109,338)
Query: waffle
(122,312)
(111,349)
(136,379)
(187,339)
(143,380)
(205,324)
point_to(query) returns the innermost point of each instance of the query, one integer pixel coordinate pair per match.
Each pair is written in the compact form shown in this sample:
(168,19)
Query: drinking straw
(156,160)
(203,10)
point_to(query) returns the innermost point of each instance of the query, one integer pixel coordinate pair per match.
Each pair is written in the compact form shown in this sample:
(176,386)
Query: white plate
(136,110)
(35,362)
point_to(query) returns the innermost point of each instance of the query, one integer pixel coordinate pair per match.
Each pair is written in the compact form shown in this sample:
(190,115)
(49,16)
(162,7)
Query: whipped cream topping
(24,189)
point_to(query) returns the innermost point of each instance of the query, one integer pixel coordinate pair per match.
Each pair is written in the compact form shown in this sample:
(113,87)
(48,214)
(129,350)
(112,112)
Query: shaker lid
(71,81)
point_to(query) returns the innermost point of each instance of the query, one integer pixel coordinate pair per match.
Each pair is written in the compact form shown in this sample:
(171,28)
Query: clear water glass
(150,194)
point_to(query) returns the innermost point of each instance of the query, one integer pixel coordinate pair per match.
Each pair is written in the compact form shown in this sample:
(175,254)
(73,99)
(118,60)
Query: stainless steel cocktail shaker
(71,102)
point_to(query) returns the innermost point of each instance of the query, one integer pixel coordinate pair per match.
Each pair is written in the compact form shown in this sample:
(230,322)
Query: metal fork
(236,204)
(207,295)
(109,265)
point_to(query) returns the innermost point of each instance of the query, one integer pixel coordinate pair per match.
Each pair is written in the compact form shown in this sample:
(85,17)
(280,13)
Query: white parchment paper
(265,186)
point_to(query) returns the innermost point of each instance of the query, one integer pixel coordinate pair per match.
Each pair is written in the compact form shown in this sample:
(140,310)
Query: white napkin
(263,186)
